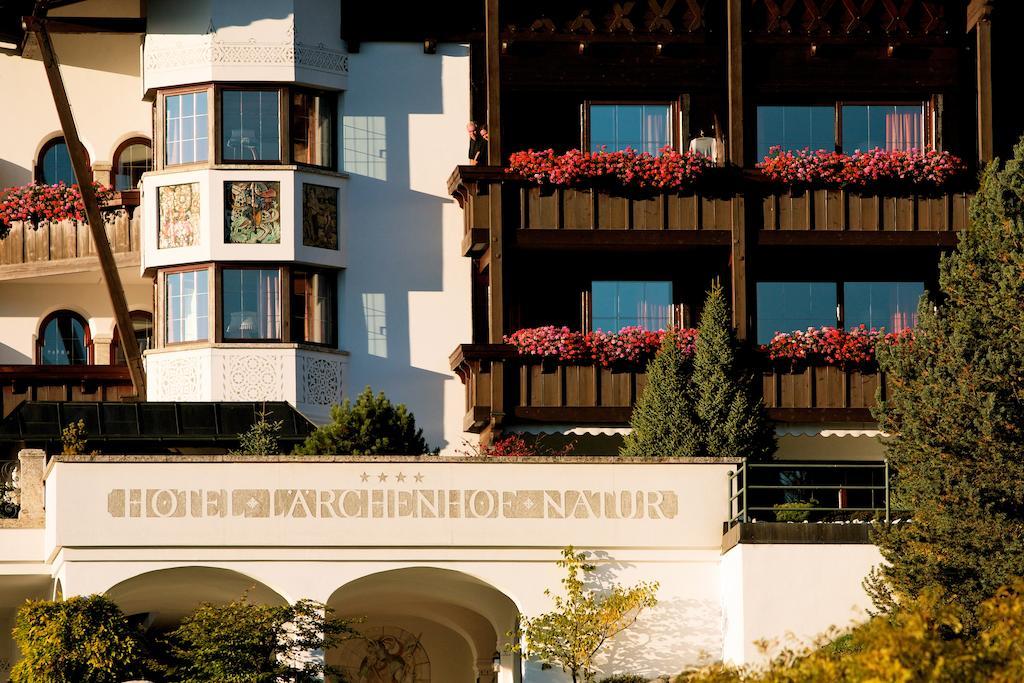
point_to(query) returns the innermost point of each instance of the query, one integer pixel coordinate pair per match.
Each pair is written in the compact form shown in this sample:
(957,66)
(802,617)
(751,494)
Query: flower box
(577,209)
(541,208)
(612,211)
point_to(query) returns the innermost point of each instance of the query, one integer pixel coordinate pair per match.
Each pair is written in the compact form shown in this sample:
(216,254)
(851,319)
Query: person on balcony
(477,145)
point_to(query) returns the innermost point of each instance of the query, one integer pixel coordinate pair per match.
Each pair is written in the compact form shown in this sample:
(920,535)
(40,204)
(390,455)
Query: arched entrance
(427,624)
(163,597)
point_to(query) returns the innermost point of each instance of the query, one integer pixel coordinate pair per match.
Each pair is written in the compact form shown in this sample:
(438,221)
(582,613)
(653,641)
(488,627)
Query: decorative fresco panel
(385,654)
(320,216)
(252,212)
(179,216)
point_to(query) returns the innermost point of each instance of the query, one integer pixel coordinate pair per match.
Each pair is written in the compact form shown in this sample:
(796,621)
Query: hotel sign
(389,503)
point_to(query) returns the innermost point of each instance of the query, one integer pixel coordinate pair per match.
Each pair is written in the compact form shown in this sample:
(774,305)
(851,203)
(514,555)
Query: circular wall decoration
(385,654)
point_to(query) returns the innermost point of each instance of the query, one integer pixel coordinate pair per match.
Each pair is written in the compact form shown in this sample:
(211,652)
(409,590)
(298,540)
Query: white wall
(791,593)
(406,277)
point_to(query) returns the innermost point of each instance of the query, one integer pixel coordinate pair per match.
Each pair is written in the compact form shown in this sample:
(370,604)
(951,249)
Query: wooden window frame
(283,301)
(283,122)
(332,99)
(160,330)
(37,170)
(327,274)
(87,332)
(674,107)
(115,338)
(115,165)
(160,140)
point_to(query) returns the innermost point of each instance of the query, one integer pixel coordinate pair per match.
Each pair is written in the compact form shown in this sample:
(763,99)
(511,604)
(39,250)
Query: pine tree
(956,410)
(663,421)
(370,426)
(732,419)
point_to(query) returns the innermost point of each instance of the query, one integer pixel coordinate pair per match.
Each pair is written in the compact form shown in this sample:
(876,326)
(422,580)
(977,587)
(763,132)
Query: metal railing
(809,492)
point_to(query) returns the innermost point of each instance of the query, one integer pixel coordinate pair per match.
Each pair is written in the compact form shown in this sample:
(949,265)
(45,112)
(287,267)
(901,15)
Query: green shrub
(793,512)
(243,642)
(261,437)
(79,640)
(370,426)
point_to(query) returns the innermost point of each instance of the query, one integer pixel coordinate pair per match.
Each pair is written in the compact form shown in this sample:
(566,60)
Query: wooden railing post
(496,322)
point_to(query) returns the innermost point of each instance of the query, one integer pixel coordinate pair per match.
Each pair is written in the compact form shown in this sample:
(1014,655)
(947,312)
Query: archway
(163,597)
(443,626)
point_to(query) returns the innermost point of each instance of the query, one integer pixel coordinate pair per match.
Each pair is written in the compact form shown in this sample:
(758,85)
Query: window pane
(615,305)
(791,306)
(64,341)
(642,127)
(313,307)
(886,126)
(251,120)
(187,295)
(56,165)
(876,305)
(185,127)
(142,327)
(134,160)
(312,122)
(794,128)
(251,299)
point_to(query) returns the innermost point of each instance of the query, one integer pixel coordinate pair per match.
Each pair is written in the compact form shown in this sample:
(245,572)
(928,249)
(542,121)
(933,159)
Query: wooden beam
(735,84)
(741,285)
(79,264)
(95,25)
(983,37)
(496,319)
(83,175)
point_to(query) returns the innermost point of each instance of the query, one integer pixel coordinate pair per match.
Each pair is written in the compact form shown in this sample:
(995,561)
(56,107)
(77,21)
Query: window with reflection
(55,164)
(186,122)
(312,124)
(251,300)
(312,307)
(889,305)
(886,126)
(791,306)
(250,125)
(642,127)
(142,328)
(187,306)
(64,339)
(133,158)
(618,304)
(794,128)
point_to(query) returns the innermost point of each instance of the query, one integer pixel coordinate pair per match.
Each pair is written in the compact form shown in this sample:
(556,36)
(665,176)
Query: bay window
(251,303)
(641,127)
(791,306)
(186,306)
(186,128)
(618,304)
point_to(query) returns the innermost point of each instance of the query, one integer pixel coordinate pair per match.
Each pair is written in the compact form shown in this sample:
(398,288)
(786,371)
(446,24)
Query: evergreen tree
(732,419)
(956,410)
(370,426)
(663,421)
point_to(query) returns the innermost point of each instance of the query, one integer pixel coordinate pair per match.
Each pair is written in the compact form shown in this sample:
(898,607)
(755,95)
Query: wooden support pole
(983,35)
(83,175)
(741,241)
(496,320)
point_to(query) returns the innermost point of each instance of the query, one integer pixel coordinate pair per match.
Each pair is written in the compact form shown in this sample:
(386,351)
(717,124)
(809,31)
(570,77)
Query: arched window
(54,165)
(64,339)
(142,325)
(132,158)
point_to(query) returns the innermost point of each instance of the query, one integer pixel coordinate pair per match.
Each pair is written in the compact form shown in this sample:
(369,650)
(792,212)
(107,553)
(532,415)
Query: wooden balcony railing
(69,239)
(62,383)
(595,217)
(537,391)
(791,215)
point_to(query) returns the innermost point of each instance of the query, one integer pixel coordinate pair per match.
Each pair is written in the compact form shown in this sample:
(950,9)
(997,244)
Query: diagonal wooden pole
(83,175)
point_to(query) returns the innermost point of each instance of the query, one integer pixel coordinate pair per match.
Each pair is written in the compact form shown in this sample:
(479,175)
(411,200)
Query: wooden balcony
(540,391)
(62,383)
(550,217)
(844,217)
(29,251)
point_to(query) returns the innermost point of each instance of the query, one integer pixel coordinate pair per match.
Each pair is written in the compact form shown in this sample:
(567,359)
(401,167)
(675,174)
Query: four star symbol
(400,477)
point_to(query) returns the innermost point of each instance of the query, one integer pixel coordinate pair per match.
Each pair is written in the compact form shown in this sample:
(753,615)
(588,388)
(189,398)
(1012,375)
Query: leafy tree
(79,640)
(261,437)
(732,418)
(664,421)
(583,621)
(243,642)
(74,438)
(923,641)
(956,410)
(370,426)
